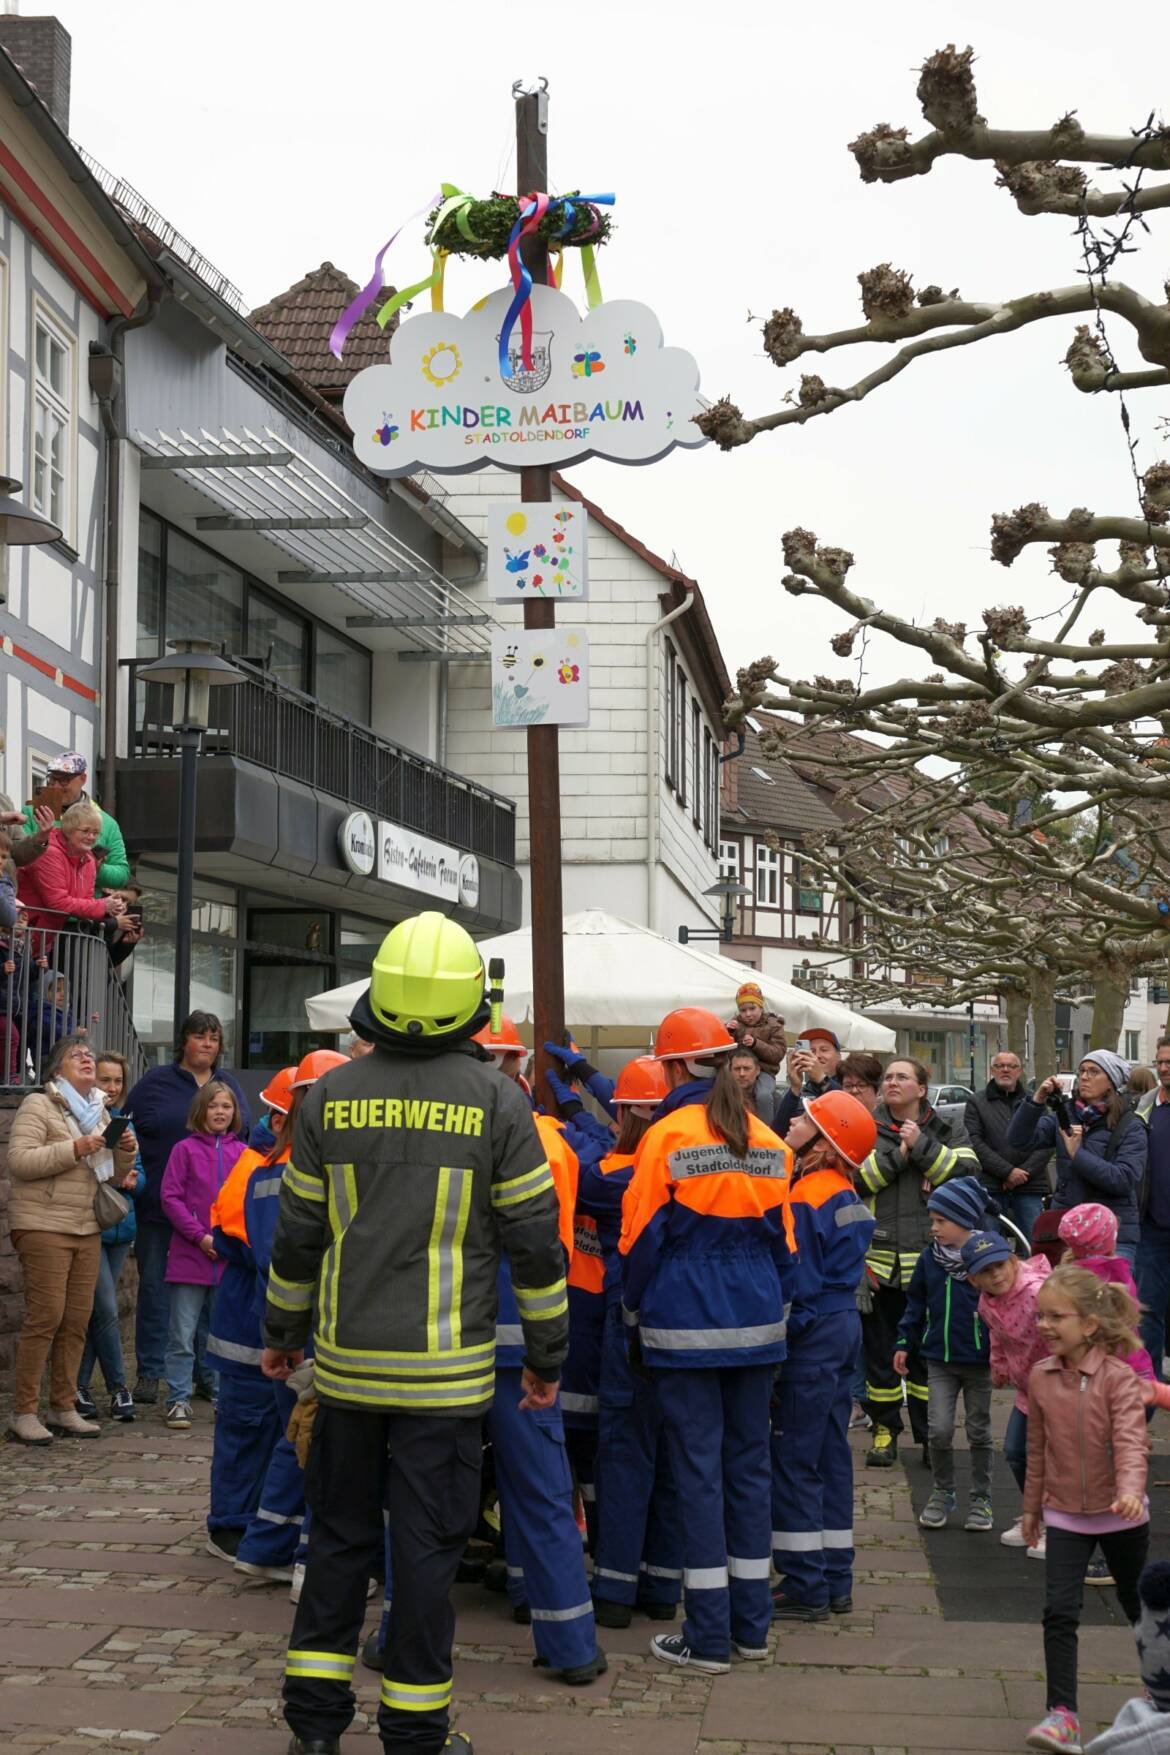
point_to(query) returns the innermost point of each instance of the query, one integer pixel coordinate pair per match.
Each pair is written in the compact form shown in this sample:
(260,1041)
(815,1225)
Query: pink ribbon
(359,306)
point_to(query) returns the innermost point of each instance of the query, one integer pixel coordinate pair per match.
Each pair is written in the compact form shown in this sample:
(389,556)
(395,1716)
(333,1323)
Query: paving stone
(526,1733)
(198,1740)
(75,1560)
(45,1647)
(70,1708)
(258,1611)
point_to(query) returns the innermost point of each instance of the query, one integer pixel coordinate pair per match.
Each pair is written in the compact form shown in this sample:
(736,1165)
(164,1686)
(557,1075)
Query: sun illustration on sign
(441,364)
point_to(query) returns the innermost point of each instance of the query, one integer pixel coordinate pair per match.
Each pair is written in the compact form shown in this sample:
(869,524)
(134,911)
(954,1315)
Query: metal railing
(263,720)
(55,981)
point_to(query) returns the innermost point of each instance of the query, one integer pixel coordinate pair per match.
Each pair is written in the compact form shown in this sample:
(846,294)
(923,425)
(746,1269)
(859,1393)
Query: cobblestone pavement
(117,1631)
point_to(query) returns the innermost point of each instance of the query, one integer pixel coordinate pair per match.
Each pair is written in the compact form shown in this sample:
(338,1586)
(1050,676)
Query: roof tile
(300,320)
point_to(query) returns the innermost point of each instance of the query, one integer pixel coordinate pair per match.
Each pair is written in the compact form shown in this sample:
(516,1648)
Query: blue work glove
(562,1092)
(570,1058)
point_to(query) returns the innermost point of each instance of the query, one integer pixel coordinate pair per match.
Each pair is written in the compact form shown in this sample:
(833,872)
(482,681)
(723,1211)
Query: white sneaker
(266,1574)
(1014,1538)
(298,1579)
(1040,1549)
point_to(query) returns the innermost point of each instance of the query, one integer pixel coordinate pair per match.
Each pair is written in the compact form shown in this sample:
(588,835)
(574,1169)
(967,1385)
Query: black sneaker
(495,1576)
(785,1608)
(672,1648)
(460,1742)
(373,1654)
(122,1404)
(522,1614)
(607,1614)
(841,1605)
(146,1391)
(223,1544)
(656,1611)
(85,1405)
(314,1746)
(580,1674)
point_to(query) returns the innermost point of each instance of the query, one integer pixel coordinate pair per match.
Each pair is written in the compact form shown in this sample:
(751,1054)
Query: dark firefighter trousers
(424,1471)
(883,1386)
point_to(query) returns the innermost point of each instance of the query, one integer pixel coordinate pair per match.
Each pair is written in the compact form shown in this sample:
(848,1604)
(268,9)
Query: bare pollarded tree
(1076,718)
(974,900)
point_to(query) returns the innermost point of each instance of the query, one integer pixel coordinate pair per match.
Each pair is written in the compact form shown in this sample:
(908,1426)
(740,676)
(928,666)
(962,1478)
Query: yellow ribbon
(592,282)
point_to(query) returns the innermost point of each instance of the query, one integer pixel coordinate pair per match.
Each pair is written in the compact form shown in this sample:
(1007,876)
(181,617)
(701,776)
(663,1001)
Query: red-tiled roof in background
(299,322)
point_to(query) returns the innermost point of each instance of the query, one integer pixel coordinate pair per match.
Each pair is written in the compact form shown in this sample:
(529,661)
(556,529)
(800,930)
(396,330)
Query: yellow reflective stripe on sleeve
(371,1392)
(941,1165)
(539,1303)
(308,1187)
(323,1666)
(342,1210)
(445,1258)
(518,1188)
(871,1175)
(289,1294)
(416,1697)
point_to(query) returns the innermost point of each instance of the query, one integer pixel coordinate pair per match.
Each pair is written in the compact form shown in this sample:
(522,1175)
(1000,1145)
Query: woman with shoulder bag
(62,1197)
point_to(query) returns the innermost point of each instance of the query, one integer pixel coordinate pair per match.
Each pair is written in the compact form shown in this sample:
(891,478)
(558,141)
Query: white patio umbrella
(619,975)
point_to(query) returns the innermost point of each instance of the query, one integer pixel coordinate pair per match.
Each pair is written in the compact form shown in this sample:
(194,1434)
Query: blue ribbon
(523,280)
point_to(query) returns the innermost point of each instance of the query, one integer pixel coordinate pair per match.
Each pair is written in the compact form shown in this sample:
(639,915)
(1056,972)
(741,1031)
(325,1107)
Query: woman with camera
(1101,1143)
(58,1153)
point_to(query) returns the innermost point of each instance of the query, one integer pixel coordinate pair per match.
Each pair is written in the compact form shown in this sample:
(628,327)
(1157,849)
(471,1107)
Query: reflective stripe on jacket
(708,1241)
(893,1183)
(408,1174)
(234,1334)
(539,1303)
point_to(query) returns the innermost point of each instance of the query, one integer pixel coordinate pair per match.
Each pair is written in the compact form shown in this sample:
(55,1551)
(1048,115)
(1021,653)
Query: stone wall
(11,1297)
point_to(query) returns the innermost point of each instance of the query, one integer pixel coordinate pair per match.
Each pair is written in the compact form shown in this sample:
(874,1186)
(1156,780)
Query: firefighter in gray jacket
(410,1168)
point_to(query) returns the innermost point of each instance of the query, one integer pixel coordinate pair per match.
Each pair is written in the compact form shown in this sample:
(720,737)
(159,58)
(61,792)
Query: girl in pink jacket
(1008,1289)
(196,1170)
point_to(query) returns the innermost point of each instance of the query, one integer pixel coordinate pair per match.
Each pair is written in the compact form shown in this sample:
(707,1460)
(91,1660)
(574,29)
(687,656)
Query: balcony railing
(54,982)
(263,720)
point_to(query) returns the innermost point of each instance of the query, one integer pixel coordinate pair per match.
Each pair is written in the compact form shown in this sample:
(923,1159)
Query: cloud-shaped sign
(601,385)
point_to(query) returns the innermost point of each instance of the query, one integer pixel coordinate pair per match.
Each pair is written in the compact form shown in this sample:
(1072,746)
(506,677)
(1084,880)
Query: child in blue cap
(941,1322)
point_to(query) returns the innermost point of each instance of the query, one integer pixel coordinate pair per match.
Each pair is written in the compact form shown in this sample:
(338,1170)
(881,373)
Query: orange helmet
(641,1081)
(277,1093)
(691,1034)
(319,1061)
(846,1123)
(504,1041)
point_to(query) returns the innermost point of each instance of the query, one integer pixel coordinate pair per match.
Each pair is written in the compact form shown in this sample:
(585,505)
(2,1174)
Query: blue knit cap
(983,1250)
(964,1200)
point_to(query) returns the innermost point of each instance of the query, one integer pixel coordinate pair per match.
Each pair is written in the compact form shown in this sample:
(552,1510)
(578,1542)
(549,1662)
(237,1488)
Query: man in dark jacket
(1020,1182)
(412,1168)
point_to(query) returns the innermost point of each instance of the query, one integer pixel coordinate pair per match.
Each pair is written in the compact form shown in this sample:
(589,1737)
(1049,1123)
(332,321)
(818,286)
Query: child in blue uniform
(812,1464)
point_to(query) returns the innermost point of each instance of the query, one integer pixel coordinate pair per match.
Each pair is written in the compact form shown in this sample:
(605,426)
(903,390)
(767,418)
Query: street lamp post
(195,669)
(729,893)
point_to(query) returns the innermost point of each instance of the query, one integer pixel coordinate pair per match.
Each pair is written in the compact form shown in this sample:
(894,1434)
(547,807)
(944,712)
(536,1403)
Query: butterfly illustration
(569,673)
(587,364)
(387,432)
(516,563)
(631,346)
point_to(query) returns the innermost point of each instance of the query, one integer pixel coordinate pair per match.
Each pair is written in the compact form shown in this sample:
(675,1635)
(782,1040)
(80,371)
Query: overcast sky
(276,136)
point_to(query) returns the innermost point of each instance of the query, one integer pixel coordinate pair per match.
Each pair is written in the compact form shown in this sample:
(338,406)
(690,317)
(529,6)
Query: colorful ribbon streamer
(359,306)
(533,208)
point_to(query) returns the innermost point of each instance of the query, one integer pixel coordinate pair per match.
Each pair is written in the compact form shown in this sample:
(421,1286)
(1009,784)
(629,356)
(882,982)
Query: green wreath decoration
(483,228)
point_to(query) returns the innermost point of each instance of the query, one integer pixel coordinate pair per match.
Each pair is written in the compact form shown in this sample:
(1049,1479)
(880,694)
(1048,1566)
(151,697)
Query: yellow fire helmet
(427,982)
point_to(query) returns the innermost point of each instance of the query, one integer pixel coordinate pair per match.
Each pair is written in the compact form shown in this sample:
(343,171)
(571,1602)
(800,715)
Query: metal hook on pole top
(538,89)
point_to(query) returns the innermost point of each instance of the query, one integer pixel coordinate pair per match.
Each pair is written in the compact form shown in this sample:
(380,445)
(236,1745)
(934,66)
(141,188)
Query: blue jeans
(103,1341)
(1015,1446)
(1022,1208)
(1153,1284)
(152,1318)
(190,1305)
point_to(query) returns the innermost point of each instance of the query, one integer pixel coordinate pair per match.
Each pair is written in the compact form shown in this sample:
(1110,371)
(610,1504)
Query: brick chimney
(43,50)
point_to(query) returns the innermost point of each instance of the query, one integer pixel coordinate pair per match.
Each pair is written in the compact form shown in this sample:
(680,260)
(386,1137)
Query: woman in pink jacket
(59,886)
(196,1170)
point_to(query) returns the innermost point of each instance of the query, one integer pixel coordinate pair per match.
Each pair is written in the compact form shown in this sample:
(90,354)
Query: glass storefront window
(205,597)
(277,641)
(278,1025)
(150,540)
(215,908)
(213,989)
(359,944)
(342,677)
(298,929)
